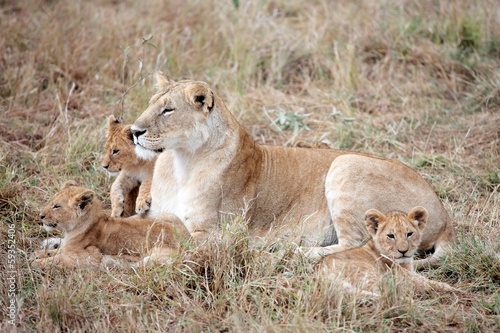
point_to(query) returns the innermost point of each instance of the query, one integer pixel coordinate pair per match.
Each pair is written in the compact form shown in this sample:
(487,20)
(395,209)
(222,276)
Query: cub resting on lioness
(133,171)
(213,166)
(90,235)
(395,239)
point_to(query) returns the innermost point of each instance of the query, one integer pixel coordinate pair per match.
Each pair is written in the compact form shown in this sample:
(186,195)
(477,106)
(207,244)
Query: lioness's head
(397,234)
(179,116)
(69,207)
(120,149)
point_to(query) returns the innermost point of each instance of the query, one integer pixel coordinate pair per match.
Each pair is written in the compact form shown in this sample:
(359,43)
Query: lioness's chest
(185,197)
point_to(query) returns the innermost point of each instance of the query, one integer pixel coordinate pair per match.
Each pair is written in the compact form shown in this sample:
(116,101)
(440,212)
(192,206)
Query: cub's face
(397,235)
(120,149)
(177,116)
(66,209)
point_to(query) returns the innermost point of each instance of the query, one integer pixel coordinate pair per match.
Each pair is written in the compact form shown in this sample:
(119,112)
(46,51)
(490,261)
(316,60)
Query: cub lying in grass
(90,235)
(395,239)
(133,171)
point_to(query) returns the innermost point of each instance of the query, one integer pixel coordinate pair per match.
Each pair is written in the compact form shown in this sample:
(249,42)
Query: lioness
(90,235)
(395,239)
(213,166)
(133,171)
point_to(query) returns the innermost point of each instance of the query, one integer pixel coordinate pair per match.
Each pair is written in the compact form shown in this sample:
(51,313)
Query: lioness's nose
(137,133)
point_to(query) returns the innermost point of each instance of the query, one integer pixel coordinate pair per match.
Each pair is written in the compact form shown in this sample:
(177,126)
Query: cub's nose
(402,251)
(105,166)
(42,217)
(137,133)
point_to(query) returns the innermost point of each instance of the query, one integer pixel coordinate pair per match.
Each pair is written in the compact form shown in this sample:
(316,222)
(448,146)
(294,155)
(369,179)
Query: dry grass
(416,81)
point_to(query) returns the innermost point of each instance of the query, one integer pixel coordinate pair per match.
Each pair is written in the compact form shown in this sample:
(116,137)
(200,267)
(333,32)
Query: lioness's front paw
(142,205)
(312,252)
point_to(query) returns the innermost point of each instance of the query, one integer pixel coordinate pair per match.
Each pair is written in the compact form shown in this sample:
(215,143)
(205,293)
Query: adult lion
(212,166)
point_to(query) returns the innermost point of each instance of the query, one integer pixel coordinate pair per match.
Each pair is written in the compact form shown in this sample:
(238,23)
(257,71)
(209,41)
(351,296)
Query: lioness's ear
(372,220)
(70,183)
(113,121)
(200,96)
(420,215)
(82,199)
(163,80)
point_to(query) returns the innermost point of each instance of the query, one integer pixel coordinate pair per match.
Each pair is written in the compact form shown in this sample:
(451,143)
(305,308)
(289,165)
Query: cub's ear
(113,121)
(128,134)
(200,96)
(420,215)
(163,80)
(372,220)
(70,183)
(82,199)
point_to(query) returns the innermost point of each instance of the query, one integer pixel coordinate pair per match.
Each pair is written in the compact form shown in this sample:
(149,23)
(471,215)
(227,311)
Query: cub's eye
(391,236)
(408,235)
(167,111)
(115,151)
(56,206)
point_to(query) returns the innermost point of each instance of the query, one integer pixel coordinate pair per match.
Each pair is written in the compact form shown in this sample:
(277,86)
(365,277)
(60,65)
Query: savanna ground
(417,81)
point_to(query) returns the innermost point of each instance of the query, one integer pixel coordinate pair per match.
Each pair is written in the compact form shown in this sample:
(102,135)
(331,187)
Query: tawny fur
(314,144)
(212,166)
(90,236)
(394,240)
(130,192)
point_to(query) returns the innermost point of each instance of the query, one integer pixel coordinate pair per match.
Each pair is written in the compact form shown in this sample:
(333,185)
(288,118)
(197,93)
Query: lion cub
(133,171)
(395,239)
(90,235)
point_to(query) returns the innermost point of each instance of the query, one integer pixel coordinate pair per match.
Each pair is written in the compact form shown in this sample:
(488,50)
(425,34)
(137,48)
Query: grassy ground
(417,81)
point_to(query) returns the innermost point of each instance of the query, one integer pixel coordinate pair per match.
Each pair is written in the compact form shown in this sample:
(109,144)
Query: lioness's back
(293,180)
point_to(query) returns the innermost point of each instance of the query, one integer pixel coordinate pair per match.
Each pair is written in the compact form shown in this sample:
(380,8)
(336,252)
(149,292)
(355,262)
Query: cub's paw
(118,209)
(117,206)
(42,254)
(41,262)
(52,243)
(142,205)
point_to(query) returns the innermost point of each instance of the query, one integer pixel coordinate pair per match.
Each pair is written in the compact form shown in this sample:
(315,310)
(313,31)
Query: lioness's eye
(56,206)
(115,151)
(167,111)
(408,235)
(391,236)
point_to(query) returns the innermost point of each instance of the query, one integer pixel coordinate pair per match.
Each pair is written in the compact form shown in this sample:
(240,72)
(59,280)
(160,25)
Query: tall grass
(416,81)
